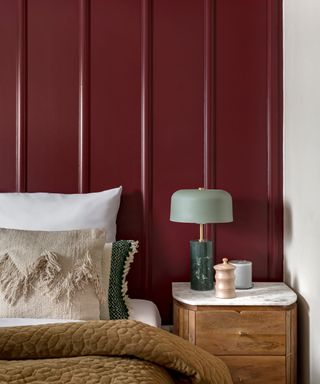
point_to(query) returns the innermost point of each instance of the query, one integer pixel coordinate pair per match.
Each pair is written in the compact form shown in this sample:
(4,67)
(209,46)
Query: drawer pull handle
(240,380)
(243,333)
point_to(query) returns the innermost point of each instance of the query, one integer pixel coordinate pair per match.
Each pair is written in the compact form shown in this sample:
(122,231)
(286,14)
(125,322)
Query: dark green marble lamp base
(201,265)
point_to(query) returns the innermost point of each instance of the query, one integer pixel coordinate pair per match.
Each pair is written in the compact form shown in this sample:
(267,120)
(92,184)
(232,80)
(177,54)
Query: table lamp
(201,206)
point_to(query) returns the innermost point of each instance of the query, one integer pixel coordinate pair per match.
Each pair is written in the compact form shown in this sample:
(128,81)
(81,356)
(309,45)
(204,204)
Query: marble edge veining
(277,294)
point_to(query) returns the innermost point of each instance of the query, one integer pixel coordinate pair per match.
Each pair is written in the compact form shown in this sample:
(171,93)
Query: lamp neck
(201,225)
(201,232)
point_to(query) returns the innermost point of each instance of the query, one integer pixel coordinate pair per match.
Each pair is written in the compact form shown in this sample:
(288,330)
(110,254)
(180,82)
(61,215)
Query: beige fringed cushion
(51,274)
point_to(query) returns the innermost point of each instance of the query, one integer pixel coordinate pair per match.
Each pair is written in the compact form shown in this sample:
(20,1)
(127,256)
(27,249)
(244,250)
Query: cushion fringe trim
(45,274)
(124,290)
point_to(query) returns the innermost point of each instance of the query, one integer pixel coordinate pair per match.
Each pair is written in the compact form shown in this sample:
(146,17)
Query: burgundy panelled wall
(155,96)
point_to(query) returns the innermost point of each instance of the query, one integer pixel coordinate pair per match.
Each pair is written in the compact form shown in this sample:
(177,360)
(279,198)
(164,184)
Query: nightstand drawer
(256,369)
(230,332)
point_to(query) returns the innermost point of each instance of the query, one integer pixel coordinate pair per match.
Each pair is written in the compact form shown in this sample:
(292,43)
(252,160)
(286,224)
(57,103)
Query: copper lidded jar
(225,279)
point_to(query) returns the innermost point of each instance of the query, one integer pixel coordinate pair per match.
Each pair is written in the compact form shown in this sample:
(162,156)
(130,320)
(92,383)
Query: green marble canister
(201,265)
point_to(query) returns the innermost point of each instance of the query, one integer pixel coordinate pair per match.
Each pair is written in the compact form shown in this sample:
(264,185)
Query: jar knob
(225,260)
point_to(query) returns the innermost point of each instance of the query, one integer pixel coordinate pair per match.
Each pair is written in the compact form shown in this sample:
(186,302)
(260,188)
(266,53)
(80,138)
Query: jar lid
(239,262)
(224,266)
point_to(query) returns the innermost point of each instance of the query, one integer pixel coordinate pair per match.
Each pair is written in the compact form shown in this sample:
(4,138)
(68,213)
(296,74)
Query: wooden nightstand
(254,333)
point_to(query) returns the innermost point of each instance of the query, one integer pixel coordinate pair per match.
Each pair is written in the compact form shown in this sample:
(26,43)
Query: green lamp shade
(201,206)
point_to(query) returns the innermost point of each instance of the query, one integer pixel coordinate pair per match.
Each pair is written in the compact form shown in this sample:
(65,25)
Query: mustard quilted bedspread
(103,352)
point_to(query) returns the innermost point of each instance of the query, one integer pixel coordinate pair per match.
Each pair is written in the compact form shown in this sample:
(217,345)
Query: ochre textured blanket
(103,352)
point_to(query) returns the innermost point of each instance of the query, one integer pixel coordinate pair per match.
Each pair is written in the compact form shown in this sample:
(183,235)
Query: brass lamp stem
(201,232)
(201,225)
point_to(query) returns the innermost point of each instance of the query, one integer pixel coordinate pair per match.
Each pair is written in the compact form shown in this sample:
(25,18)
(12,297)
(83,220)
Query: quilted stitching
(121,351)
(83,370)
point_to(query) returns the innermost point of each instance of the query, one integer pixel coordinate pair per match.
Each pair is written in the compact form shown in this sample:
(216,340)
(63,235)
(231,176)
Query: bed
(119,351)
(65,313)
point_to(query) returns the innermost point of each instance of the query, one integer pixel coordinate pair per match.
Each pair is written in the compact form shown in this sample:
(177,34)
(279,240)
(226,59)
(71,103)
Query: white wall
(302,174)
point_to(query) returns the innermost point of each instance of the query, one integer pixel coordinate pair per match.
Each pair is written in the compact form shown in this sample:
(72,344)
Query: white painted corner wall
(302,175)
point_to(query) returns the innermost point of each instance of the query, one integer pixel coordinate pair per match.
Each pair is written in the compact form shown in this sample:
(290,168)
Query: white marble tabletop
(278,294)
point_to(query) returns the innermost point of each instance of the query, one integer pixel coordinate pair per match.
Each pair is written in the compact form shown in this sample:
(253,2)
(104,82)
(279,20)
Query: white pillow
(59,212)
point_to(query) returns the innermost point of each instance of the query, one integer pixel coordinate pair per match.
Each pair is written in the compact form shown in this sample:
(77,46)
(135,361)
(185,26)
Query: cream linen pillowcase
(51,274)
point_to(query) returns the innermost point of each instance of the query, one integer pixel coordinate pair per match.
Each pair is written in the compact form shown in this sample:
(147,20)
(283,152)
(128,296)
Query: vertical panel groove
(208,99)
(146,134)
(21,99)
(209,140)
(84,97)
(274,132)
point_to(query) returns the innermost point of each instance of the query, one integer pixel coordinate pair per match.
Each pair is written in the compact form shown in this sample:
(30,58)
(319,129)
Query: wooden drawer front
(241,333)
(256,370)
